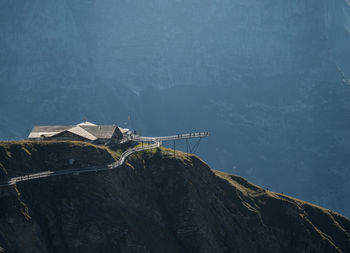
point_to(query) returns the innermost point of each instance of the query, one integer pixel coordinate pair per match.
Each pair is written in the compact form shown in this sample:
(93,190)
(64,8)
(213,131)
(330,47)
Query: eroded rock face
(155,203)
(58,53)
(72,44)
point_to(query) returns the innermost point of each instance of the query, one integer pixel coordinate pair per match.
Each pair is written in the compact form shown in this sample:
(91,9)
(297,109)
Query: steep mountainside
(154,203)
(268,78)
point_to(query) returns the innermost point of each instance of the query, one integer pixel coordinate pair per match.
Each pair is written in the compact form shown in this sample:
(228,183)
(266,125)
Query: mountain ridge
(153,203)
(252,72)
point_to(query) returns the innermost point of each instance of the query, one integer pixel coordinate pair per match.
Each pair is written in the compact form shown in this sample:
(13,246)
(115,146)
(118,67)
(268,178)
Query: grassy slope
(324,223)
(277,211)
(22,157)
(140,186)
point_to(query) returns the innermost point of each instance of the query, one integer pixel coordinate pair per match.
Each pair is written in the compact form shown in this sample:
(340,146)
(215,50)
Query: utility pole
(187,147)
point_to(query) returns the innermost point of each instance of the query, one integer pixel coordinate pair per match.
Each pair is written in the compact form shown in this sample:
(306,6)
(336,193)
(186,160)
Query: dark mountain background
(268,79)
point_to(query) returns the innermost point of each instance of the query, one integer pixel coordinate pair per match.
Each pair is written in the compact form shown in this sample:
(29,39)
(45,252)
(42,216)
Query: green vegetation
(280,211)
(22,157)
(161,202)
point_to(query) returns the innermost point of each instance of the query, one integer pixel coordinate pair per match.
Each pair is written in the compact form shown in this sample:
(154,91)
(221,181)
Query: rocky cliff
(153,203)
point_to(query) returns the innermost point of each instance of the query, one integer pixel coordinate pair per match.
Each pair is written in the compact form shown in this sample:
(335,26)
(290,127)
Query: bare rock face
(154,203)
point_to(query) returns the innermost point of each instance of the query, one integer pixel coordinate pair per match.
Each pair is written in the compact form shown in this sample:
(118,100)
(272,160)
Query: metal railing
(167,138)
(114,165)
(157,143)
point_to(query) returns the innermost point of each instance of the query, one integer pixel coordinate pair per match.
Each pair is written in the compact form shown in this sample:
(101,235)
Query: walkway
(156,140)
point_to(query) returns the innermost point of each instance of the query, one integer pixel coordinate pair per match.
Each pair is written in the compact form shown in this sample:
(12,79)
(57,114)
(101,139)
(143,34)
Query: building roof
(78,130)
(85,129)
(47,131)
(100,132)
(124,130)
(86,123)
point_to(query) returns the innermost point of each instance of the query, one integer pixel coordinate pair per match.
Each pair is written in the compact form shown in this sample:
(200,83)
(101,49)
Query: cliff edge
(153,203)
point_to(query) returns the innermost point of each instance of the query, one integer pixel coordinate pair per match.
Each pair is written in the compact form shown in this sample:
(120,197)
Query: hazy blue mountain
(269,79)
